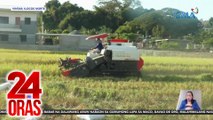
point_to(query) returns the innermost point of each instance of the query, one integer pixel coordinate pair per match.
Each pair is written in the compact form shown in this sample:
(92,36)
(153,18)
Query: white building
(18,27)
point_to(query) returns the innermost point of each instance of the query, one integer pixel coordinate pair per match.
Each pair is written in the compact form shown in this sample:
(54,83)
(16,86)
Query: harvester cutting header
(118,57)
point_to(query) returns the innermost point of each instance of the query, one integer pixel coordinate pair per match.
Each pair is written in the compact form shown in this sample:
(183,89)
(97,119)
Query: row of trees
(204,37)
(125,18)
(161,25)
(109,14)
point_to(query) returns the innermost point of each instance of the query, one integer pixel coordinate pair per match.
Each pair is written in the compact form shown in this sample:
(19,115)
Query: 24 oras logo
(24,97)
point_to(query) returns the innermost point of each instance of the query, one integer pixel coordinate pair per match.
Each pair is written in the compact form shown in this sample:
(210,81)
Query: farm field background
(158,89)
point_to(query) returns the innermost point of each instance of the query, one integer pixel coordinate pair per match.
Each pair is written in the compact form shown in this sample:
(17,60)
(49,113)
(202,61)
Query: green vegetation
(118,16)
(169,45)
(125,19)
(203,37)
(163,78)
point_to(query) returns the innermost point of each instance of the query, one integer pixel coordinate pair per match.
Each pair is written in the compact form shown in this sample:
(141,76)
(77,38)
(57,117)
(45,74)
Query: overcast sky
(205,6)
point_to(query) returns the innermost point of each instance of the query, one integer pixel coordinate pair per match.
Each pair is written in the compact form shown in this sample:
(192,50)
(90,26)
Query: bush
(208,42)
(129,36)
(65,31)
(92,32)
(56,31)
(123,29)
(104,29)
(86,31)
(169,45)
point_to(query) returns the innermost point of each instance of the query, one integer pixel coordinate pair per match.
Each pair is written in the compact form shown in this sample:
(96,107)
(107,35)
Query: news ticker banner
(114,112)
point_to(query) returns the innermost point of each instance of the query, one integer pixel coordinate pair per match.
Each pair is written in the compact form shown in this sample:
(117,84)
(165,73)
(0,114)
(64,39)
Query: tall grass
(163,78)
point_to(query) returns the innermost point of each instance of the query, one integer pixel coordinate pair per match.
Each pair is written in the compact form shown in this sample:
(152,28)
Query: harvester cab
(119,57)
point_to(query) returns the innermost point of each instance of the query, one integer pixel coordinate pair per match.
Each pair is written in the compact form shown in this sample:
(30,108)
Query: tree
(159,24)
(50,16)
(67,8)
(115,13)
(131,4)
(203,37)
(120,16)
(58,16)
(208,42)
(104,29)
(109,13)
(211,21)
(158,31)
(65,22)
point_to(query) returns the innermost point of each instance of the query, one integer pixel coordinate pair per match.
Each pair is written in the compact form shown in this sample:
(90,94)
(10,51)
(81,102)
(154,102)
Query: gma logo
(185,15)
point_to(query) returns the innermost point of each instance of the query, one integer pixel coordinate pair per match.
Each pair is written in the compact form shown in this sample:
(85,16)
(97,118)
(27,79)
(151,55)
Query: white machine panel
(124,52)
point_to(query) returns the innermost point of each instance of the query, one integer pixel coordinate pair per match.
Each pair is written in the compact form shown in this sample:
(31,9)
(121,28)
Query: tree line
(125,18)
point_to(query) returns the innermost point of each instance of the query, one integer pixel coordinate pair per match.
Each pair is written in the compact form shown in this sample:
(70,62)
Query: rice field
(158,89)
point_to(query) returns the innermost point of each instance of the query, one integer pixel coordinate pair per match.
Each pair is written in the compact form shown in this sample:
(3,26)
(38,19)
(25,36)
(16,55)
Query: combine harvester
(119,57)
